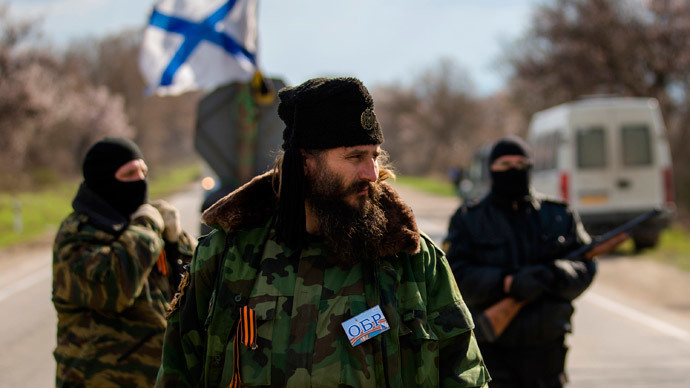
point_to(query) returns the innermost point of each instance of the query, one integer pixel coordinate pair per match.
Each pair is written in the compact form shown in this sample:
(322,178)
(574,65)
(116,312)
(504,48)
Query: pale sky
(378,41)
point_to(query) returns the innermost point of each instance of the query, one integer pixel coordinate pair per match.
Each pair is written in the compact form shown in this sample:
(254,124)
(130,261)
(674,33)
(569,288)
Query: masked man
(116,262)
(316,274)
(514,243)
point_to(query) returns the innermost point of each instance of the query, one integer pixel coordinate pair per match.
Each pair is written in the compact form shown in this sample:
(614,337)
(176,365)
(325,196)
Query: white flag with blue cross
(199,44)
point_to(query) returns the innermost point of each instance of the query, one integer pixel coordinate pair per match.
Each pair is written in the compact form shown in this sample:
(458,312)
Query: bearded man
(316,273)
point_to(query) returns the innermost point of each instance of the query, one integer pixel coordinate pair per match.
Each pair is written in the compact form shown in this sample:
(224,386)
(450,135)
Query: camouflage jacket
(301,300)
(110,296)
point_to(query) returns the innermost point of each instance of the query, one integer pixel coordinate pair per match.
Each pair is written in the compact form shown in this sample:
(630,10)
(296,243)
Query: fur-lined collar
(254,203)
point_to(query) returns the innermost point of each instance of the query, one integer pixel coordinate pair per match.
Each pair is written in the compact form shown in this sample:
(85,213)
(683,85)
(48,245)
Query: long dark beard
(351,234)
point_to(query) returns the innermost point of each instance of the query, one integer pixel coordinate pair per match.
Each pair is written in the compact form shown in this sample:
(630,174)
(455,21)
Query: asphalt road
(632,327)
(28,323)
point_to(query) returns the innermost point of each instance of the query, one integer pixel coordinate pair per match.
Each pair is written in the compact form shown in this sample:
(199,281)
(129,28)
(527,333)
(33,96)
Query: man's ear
(309,163)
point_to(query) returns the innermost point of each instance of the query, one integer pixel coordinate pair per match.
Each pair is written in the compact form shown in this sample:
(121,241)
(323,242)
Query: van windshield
(545,148)
(591,148)
(637,150)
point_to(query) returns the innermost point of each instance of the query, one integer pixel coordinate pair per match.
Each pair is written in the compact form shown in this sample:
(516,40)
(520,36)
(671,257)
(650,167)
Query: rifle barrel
(614,232)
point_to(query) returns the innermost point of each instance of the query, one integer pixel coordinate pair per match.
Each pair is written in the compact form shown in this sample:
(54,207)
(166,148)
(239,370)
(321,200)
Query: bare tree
(433,124)
(46,116)
(439,122)
(164,125)
(624,47)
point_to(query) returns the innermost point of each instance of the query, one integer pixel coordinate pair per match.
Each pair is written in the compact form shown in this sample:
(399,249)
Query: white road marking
(25,283)
(637,316)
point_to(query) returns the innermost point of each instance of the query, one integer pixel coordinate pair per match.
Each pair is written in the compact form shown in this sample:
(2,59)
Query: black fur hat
(327,113)
(321,113)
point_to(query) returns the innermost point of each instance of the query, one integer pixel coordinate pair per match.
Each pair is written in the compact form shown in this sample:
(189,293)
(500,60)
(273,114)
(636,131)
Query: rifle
(496,318)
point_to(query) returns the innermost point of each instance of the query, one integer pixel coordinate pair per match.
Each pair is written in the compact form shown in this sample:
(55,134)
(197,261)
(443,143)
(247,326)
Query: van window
(637,150)
(545,148)
(591,148)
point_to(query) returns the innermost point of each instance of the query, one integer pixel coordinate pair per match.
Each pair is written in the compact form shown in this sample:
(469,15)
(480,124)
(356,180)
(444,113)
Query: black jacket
(492,238)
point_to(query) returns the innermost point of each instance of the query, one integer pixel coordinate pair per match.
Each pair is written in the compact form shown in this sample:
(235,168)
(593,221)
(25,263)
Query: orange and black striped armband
(246,335)
(162,263)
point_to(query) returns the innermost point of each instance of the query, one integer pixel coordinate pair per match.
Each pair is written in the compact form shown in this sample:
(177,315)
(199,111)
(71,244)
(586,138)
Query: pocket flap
(415,324)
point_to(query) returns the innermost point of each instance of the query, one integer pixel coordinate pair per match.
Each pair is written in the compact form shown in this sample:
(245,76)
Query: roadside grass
(432,185)
(673,248)
(172,180)
(26,216)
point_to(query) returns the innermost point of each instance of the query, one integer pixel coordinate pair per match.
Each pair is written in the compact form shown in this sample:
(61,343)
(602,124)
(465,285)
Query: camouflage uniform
(110,297)
(301,299)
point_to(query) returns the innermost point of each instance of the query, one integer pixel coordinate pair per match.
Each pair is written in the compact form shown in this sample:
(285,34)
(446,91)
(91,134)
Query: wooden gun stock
(495,319)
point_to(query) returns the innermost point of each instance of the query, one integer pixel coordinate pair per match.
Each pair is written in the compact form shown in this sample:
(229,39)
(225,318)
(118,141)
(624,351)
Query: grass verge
(428,184)
(673,248)
(25,216)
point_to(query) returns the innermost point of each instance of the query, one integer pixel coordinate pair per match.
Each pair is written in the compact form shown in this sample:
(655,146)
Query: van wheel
(645,241)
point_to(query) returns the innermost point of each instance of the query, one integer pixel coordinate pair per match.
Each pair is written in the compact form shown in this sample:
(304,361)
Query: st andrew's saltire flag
(199,44)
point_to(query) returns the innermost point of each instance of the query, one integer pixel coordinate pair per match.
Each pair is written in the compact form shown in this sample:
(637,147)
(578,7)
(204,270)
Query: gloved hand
(171,217)
(530,282)
(151,213)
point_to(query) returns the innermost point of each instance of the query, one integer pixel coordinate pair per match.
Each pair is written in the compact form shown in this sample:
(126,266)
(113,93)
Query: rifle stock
(496,318)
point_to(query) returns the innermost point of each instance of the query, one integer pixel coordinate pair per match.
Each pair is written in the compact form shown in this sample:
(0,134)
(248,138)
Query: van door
(593,165)
(615,162)
(638,181)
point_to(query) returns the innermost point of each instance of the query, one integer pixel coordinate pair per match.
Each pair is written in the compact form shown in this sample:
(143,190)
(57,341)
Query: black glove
(530,282)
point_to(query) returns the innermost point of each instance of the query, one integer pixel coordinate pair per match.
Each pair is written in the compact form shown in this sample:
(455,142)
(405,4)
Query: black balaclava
(319,114)
(101,162)
(511,184)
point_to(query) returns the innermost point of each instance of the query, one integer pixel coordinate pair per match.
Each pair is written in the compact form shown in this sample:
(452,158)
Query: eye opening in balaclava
(101,162)
(511,184)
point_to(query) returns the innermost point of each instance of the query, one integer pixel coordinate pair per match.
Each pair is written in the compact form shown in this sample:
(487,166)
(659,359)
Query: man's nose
(370,171)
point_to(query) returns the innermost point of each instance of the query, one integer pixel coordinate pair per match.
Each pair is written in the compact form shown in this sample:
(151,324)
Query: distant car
(476,180)
(609,158)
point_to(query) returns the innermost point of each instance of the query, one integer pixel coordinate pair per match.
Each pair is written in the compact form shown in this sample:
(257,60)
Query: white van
(609,158)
